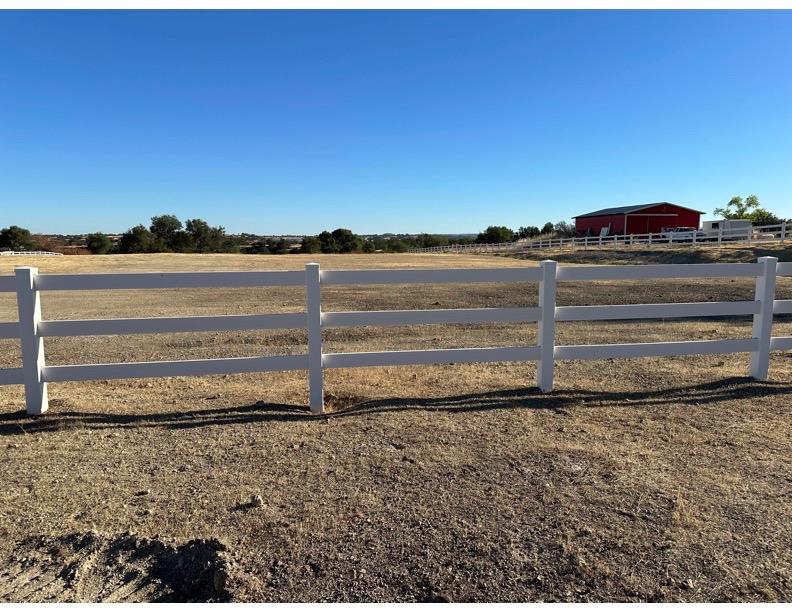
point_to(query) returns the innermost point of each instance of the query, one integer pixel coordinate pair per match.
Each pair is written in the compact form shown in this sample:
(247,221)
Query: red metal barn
(637,219)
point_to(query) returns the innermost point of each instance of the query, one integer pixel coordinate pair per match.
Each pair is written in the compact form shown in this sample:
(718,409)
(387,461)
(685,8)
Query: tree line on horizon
(167,234)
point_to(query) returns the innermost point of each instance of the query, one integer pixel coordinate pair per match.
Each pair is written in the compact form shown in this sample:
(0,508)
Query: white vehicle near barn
(683,234)
(728,229)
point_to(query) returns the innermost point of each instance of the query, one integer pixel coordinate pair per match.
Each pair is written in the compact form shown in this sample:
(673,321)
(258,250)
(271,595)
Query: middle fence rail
(31,329)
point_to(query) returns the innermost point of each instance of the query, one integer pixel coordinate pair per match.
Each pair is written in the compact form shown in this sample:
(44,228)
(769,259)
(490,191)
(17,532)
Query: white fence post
(720,234)
(546,327)
(29,308)
(783,230)
(313,296)
(763,320)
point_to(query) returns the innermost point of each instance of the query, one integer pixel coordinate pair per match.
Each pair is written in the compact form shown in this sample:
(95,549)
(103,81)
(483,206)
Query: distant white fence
(35,374)
(22,253)
(764,233)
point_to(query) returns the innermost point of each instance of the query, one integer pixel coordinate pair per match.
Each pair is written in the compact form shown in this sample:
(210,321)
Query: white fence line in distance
(762,233)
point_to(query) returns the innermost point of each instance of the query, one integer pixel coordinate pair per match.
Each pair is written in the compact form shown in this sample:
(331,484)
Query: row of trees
(496,234)
(167,234)
(15,238)
(342,240)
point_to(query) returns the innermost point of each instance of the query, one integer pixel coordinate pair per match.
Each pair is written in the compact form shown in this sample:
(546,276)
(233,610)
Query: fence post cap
(769,259)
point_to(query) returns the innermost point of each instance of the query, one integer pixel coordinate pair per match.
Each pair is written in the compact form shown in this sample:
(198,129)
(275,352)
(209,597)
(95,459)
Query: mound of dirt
(88,567)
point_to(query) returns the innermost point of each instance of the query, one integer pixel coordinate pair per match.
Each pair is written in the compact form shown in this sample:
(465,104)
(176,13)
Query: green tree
(137,239)
(310,244)
(426,240)
(564,229)
(495,234)
(199,234)
(166,230)
(206,239)
(98,243)
(528,232)
(764,217)
(16,238)
(327,243)
(547,228)
(748,208)
(379,243)
(346,240)
(396,245)
(737,208)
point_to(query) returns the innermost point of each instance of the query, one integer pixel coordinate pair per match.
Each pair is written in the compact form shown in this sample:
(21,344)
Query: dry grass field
(636,480)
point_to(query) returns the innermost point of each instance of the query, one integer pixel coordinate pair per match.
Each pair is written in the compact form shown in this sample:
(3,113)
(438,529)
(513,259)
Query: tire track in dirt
(94,568)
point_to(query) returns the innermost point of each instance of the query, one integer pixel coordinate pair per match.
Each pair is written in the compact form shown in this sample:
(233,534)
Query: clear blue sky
(294,122)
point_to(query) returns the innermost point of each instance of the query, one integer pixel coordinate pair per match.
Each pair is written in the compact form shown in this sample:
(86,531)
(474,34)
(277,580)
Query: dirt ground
(636,480)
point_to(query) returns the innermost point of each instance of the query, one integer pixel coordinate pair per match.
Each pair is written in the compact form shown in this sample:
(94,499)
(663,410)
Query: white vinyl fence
(764,233)
(24,253)
(35,374)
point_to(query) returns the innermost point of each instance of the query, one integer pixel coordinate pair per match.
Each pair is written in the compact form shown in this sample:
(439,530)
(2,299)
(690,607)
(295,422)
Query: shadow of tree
(736,388)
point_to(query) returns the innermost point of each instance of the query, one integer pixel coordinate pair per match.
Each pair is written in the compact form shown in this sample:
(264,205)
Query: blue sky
(294,122)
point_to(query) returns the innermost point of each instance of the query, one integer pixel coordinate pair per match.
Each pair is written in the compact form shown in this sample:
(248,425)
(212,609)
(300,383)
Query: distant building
(637,219)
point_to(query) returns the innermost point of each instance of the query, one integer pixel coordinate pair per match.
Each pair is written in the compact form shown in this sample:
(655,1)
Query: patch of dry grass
(649,479)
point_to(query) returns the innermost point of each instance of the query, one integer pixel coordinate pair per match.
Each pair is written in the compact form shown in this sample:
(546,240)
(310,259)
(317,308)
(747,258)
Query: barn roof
(625,210)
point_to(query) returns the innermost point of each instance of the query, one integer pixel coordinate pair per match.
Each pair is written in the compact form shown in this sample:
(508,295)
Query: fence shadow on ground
(737,388)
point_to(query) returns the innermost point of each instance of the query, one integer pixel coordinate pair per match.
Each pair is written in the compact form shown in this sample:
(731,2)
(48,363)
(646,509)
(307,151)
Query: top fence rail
(449,275)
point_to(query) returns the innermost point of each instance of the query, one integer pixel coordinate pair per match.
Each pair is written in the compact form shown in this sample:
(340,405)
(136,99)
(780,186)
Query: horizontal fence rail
(433,356)
(35,374)
(107,327)
(616,312)
(187,367)
(716,238)
(166,280)
(430,317)
(645,271)
(449,275)
(7,284)
(656,349)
